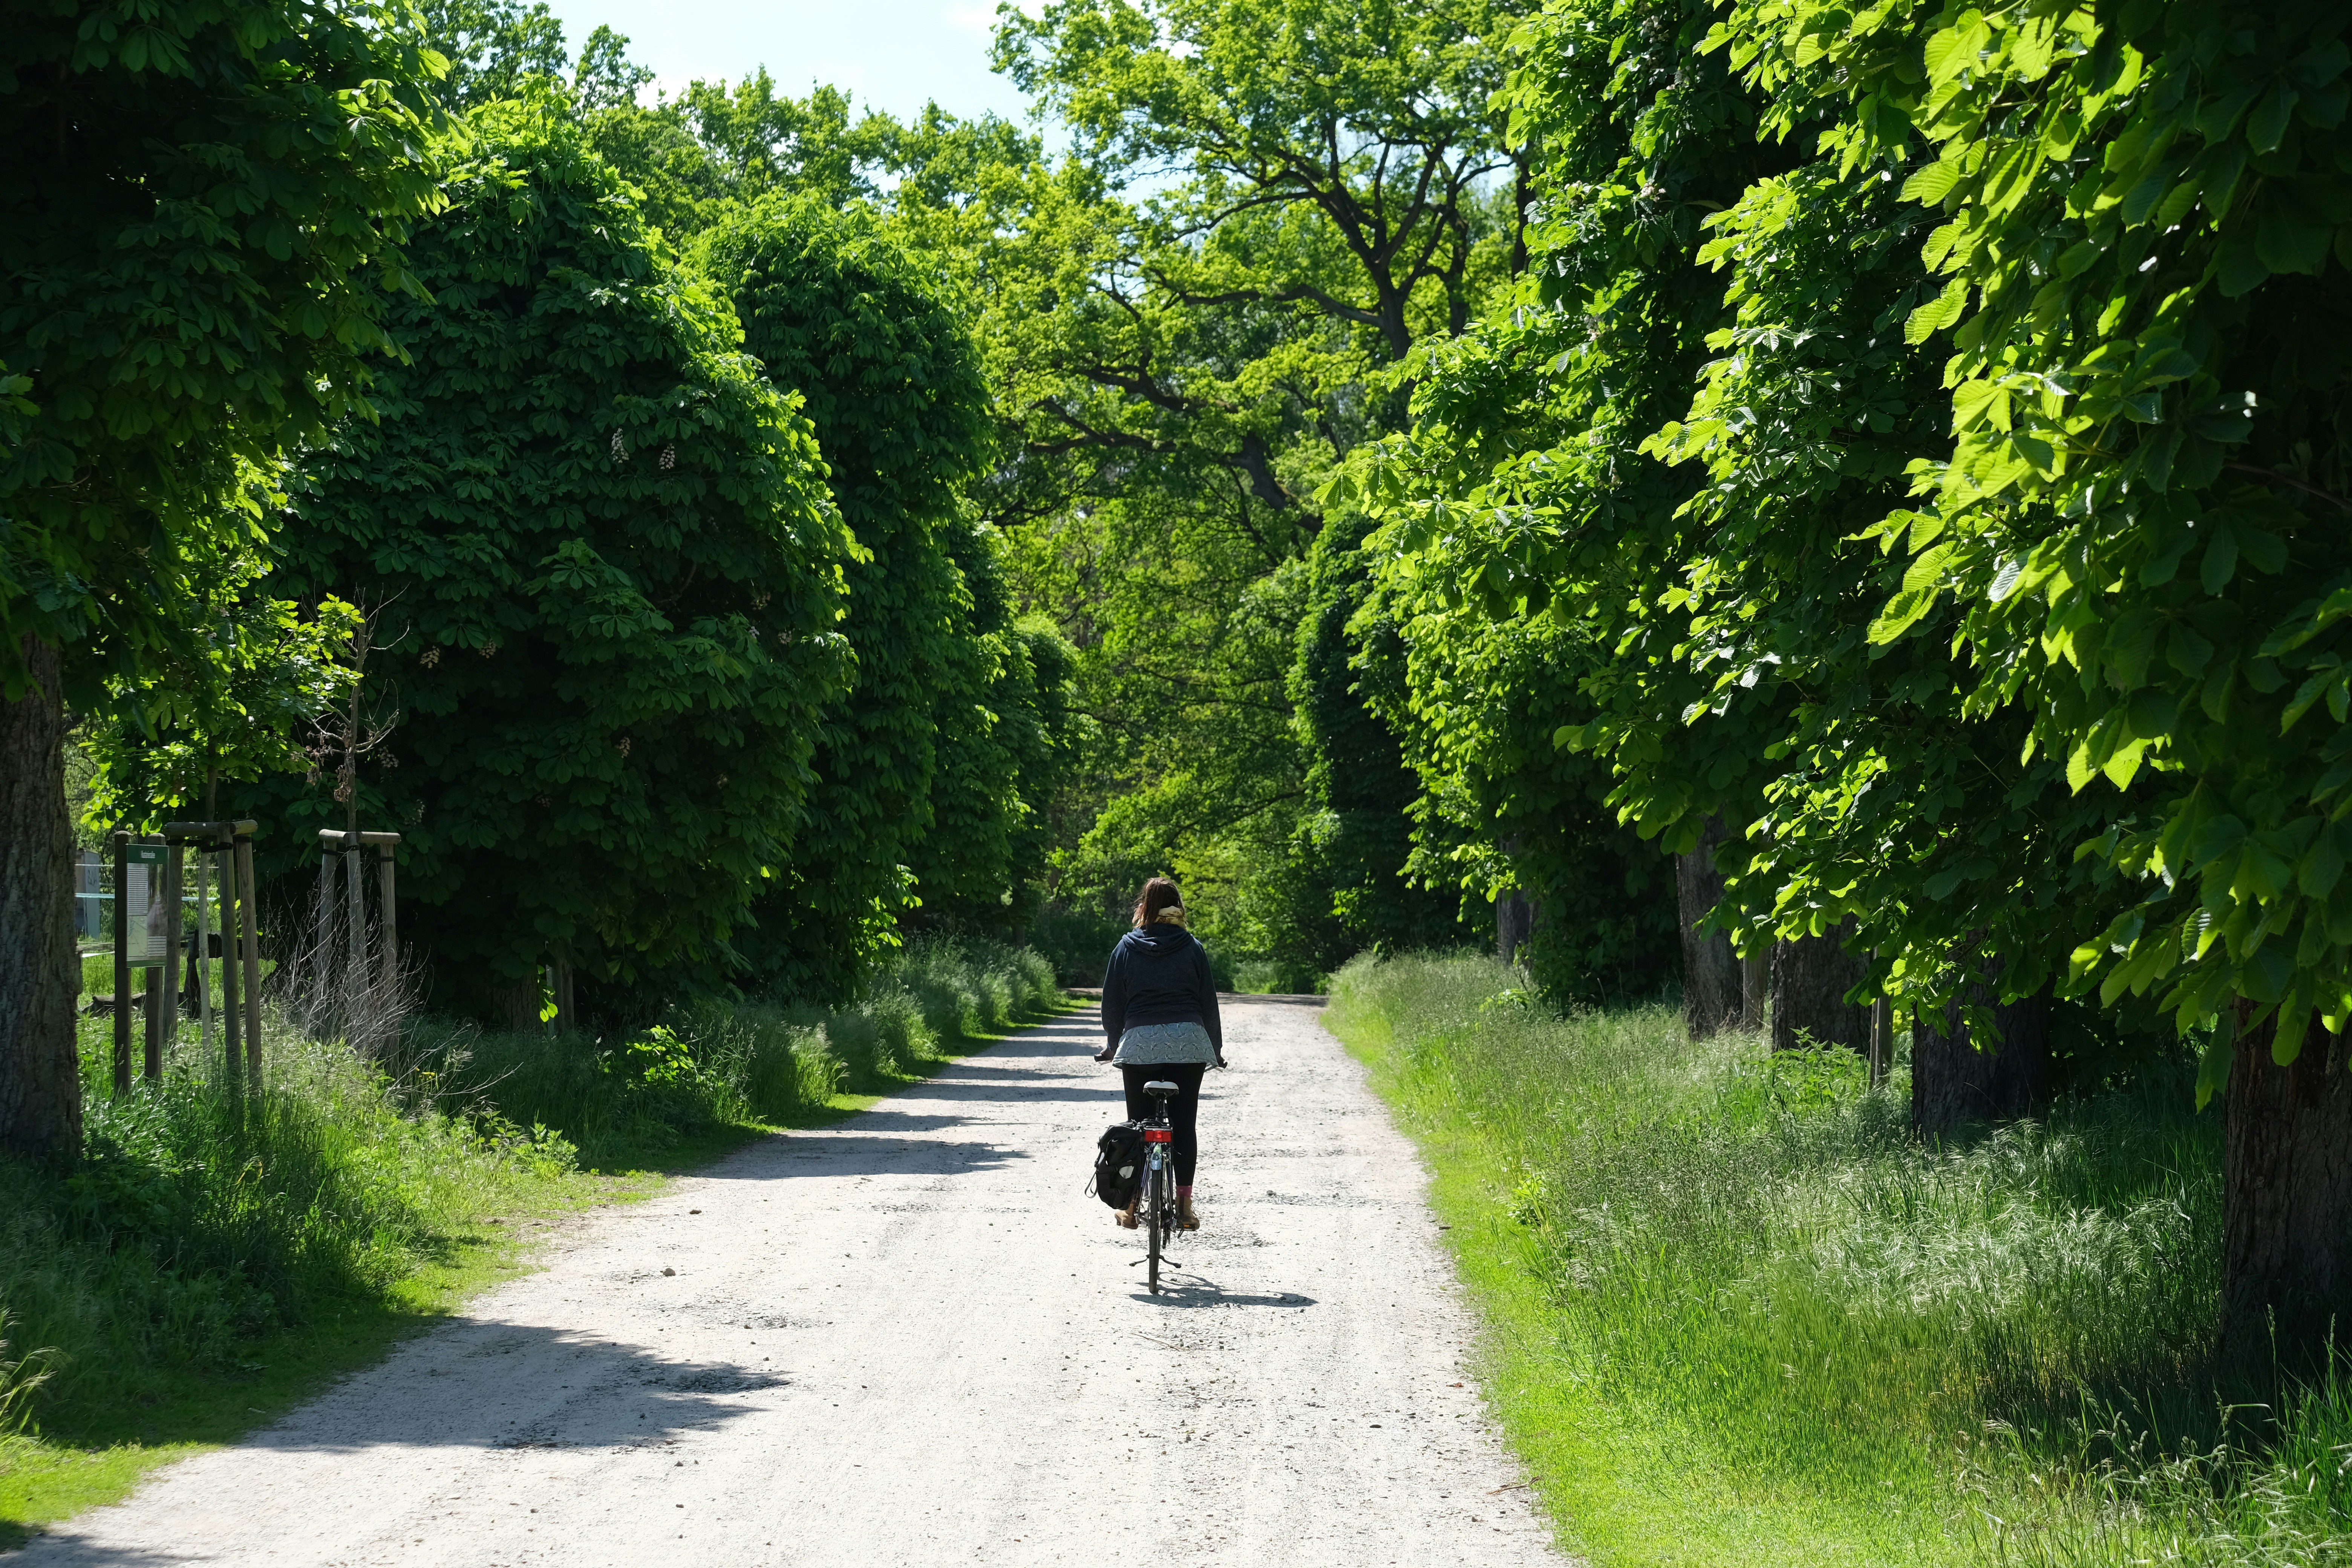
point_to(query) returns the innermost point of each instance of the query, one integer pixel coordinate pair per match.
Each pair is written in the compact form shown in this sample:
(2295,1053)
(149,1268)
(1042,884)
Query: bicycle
(1158,1199)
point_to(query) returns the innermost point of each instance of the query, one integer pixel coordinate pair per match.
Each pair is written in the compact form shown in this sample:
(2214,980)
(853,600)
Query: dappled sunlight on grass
(1996,1349)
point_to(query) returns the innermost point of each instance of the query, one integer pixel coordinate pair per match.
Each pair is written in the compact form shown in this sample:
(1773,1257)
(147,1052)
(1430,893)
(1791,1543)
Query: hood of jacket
(1161,934)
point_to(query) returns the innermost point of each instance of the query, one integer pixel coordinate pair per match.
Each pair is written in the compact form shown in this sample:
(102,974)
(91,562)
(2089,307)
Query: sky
(894,55)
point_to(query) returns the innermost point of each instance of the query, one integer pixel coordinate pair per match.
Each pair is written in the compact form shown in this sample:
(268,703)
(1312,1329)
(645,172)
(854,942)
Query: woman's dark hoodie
(1160,975)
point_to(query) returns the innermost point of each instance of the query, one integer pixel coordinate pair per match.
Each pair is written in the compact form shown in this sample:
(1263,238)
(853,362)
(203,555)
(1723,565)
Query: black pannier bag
(1118,1164)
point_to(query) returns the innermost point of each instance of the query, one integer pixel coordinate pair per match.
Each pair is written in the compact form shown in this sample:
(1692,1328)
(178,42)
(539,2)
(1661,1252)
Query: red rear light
(1156,1135)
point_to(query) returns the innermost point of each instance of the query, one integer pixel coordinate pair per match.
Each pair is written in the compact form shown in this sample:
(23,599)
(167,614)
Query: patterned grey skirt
(1165,1045)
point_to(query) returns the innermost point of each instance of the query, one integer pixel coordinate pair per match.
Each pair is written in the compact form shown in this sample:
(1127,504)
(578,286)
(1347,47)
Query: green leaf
(1930,186)
(1972,400)
(2130,646)
(2186,650)
(2286,1041)
(2322,683)
(2220,560)
(2240,269)
(2289,238)
(1951,50)
(2123,766)
(2266,127)
(2152,712)
(1939,314)
(2322,865)
(2080,769)
(2213,1064)
(2265,550)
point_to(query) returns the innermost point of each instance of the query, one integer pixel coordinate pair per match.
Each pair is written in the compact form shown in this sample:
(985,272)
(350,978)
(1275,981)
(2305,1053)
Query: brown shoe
(1126,1216)
(1185,1216)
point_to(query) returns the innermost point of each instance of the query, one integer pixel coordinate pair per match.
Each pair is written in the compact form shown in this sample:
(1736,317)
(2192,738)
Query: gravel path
(911,1339)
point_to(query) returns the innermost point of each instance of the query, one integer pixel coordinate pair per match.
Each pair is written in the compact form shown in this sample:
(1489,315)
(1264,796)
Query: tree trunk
(1954,1083)
(2286,1172)
(1515,922)
(1710,969)
(40,970)
(514,1008)
(1809,979)
(1755,989)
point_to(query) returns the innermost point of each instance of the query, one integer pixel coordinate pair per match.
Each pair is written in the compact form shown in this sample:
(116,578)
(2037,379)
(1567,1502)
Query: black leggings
(1183,1110)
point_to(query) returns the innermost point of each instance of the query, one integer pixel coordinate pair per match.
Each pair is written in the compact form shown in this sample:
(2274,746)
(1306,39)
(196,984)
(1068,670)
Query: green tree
(716,147)
(917,806)
(2147,215)
(1004,736)
(2090,696)
(1190,321)
(869,335)
(611,580)
(1529,533)
(1357,827)
(238,705)
(194,268)
(495,49)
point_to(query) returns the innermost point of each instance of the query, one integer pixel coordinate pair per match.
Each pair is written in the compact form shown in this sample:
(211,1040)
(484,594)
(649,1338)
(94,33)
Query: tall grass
(643,1094)
(2008,1335)
(201,1219)
(1278,976)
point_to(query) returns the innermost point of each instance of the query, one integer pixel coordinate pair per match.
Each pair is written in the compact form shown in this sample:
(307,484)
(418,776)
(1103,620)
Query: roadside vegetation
(1738,1313)
(1838,514)
(214,1256)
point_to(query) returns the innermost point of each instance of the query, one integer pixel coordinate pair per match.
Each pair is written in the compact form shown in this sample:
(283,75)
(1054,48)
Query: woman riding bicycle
(1159,1014)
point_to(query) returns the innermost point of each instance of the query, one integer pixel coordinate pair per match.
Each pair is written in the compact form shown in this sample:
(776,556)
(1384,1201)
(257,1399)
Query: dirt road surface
(912,1339)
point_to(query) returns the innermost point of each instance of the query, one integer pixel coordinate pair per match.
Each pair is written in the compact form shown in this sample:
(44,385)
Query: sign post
(240,939)
(138,917)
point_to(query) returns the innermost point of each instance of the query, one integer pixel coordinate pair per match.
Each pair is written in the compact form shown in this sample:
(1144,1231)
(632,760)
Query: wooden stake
(231,1030)
(172,948)
(1882,1035)
(122,964)
(252,950)
(355,965)
(328,860)
(152,1059)
(203,952)
(388,915)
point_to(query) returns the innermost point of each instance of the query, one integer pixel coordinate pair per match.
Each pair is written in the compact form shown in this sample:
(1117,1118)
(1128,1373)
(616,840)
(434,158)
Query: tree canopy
(199,224)
(1857,491)
(609,572)
(918,803)
(1914,440)
(197,263)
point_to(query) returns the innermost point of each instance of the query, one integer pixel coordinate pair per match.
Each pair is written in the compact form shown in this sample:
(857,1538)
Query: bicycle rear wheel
(1155,1191)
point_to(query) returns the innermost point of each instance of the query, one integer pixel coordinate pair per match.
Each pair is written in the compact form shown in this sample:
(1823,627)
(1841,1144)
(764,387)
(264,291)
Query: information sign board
(142,885)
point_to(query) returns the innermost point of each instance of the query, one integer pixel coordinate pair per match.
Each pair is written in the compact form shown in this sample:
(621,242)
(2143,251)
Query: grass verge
(710,1074)
(1737,1315)
(217,1258)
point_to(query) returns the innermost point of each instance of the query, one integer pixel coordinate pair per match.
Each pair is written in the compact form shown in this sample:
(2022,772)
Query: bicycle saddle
(1160,1086)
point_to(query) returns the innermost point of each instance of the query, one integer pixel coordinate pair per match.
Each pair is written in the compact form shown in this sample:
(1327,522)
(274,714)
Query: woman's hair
(1158,894)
